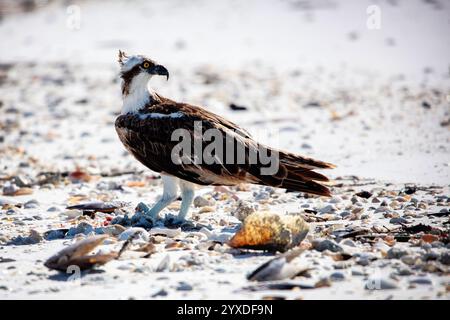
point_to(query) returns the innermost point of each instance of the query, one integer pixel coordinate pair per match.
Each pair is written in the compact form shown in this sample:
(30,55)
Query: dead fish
(98,206)
(279,268)
(78,254)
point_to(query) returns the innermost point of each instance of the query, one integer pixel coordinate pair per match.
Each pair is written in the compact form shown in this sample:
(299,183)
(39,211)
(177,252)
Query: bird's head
(137,70)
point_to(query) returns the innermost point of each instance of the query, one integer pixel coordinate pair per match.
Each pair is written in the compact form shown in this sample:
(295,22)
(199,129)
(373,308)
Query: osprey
(146,127)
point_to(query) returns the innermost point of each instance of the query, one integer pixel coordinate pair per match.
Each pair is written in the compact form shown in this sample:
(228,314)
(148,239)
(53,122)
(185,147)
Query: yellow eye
(146,65)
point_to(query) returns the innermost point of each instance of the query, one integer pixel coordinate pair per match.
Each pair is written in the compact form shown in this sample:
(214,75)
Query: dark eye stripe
(128,76)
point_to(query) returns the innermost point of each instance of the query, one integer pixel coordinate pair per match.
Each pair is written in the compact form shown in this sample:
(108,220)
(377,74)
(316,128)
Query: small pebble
(143,234)
(83,228)
(396,253)
(200,201)
(421,280)
(398,220)
(322,245)
(337,276)
(183,286)
(31,204)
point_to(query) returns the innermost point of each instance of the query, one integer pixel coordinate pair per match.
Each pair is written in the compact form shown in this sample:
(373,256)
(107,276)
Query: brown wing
(148,137)
(167,106)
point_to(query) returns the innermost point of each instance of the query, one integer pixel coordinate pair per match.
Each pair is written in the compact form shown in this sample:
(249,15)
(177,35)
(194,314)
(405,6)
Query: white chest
(137,96)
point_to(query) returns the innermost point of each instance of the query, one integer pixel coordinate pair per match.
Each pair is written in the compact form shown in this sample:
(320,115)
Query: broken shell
(106,207)
(176,245)
(33,238)
(164,264)
(174,206)
(206,209)
(21,192)
(72,214)
(284,266)
(243,210)
(114,230)
(136,184)
(200,201)
(270,231)
(143,234)
(77,254)
(216,236)
(171,233)
(147,248)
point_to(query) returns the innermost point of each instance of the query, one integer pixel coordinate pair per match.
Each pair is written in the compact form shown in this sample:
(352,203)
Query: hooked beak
(159,70)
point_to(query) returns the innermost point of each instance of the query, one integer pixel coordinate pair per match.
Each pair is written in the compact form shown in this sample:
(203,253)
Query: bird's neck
(136,95)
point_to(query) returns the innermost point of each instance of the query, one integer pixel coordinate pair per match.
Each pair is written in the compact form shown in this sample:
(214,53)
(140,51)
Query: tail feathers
(300,176)
(306,186)
(296,181)
(297,161)
(295,173)
(304,175)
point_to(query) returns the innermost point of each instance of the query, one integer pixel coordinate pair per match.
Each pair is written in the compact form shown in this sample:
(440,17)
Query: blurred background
(362,84)
(410,35)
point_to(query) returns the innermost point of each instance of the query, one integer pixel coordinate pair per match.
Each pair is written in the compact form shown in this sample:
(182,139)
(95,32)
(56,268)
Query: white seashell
(72,214)
(221,237)
(284,266)
(171,233)
(164,264)
(198,235)
(206,232)
(143,234)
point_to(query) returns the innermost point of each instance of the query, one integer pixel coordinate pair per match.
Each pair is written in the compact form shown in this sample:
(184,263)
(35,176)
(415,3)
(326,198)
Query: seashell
(164,264)
(284,266)
(198,235)
(5,203)
(148,248)
(55,234)
(77,254)
(131,232)
(72,214)
(114,230)
(84,228)
(97,206)
(136,184)
(270,231)
(216,236)
(23,191)
(174,206)
(206,209)
(206,245)
(33,238)
(200,201)
(380,283)
(176,245)
(171,233)
(79,175)
(221,237)
(244,209)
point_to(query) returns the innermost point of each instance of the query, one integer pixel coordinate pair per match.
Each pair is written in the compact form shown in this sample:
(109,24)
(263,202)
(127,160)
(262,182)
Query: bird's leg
(170,185)
(187,196)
